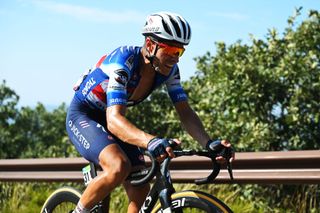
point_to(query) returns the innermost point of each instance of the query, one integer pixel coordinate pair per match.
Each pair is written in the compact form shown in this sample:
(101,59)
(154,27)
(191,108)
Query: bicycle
(162,197)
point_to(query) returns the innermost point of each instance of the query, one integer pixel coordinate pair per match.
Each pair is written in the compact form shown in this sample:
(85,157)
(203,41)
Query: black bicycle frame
(162,189)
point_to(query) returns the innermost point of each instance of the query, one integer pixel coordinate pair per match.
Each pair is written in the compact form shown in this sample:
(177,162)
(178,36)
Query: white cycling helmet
(167,26)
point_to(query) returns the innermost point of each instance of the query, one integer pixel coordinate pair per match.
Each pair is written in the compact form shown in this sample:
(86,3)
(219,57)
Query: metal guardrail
(291,167)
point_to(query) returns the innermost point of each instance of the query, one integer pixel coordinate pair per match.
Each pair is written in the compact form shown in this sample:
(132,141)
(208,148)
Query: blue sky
(45,45)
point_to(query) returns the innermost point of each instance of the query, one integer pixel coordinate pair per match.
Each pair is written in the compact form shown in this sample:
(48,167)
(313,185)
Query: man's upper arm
(114,115)
(115,110)
(175,90)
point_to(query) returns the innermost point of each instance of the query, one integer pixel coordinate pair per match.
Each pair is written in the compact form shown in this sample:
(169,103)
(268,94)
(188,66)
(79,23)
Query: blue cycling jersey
(112,81)
(115,77)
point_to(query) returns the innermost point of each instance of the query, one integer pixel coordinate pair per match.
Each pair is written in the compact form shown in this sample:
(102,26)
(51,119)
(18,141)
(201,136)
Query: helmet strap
(152,57)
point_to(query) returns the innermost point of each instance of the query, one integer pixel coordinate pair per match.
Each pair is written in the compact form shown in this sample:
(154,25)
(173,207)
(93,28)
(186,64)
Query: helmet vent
(176,26)
(166,27)
(189,31)
(184,28)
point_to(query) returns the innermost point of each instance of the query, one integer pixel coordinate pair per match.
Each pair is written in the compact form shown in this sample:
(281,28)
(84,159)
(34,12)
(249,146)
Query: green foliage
(8,112)
(27,197)
(43,134)
(156,115)
(31,132)
(119,201)
(263,96)
(282,198)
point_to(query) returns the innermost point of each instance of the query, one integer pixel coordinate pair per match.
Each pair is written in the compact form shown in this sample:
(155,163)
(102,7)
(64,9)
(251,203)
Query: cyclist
(96,120)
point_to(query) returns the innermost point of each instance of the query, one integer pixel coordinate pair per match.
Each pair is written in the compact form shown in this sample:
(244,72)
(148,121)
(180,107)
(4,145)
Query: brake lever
(229,167)
(229,164)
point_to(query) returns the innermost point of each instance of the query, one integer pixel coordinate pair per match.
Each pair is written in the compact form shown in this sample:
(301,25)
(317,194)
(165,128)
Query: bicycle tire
(64,200)
(194,201)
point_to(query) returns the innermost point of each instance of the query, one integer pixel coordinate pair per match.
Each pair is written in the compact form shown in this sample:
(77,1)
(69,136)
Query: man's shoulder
(123,56)
(123,53)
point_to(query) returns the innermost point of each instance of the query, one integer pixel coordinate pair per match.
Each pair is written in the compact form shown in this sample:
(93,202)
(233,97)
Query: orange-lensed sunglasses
(169,49)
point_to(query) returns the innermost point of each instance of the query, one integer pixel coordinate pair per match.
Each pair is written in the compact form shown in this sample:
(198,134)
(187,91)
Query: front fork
(165,200)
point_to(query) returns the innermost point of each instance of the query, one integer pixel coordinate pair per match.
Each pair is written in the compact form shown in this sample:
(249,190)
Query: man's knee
(117,171)
(114,162)
(120,170)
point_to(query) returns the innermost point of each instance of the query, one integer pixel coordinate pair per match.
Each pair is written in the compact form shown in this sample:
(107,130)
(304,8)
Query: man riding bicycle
(96,120)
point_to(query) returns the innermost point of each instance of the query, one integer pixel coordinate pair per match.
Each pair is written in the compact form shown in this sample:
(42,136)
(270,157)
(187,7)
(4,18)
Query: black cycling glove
(157,146)
(218,149)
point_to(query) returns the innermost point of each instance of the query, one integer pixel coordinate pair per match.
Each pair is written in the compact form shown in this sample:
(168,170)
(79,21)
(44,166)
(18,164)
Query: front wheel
(63,200)
(195,201)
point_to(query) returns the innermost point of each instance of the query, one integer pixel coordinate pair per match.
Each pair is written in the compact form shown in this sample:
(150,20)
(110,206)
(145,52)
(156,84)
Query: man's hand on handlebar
(222,149)
(160,148)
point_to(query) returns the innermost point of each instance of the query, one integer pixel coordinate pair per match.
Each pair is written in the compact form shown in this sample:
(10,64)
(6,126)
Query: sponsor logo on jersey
(80,138)
(177,76)
(129,62)
(115,87)
(122,76)
(84,124)
(101,127)
(88,86)
(181,96)
(117,101)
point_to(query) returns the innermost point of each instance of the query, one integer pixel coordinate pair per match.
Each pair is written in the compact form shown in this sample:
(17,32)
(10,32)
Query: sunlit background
(46,45)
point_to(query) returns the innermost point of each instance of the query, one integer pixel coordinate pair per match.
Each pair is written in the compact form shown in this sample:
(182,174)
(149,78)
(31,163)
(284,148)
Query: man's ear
(149,44)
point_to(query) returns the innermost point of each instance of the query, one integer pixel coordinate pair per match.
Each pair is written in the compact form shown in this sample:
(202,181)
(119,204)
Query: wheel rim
(64,207)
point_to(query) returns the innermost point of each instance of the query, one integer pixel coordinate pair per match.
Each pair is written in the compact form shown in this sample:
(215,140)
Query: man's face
(167,55)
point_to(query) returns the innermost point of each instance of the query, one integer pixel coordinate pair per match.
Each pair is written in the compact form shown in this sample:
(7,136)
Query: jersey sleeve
(116,90)
(118,66)
(175,90)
